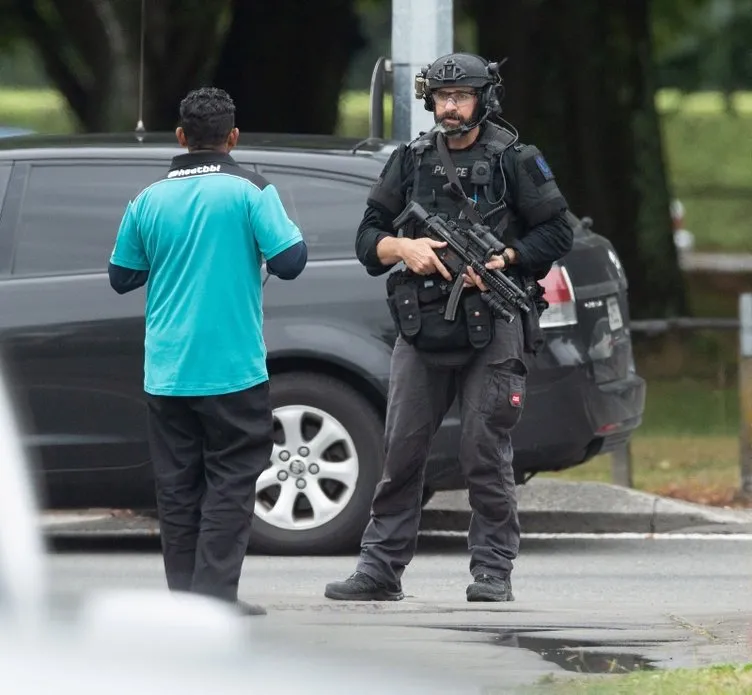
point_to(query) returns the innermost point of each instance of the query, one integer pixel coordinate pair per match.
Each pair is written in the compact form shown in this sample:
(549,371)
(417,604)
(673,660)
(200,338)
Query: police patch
(538,168)
(544,168)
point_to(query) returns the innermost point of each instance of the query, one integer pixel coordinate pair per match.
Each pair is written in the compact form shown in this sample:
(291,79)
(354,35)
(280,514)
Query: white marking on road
(49,521)
(613,536)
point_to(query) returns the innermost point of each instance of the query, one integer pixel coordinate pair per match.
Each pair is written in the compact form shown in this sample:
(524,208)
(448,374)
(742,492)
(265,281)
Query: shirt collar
(192,159)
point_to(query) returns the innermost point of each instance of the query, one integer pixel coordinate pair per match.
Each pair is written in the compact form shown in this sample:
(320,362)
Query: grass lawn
(714,680)
(708,157)
(43,111)
(701,469)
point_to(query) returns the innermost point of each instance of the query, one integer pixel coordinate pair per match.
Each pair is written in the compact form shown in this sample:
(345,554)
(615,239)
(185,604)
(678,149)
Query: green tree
(262,53)
(709,49)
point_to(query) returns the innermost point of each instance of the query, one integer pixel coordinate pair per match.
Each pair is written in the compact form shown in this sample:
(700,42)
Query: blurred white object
(150,620)
(23,595)
(683,238)
(677,213)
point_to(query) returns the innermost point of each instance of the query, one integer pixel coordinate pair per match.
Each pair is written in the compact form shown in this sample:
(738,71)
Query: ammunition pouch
(417,305)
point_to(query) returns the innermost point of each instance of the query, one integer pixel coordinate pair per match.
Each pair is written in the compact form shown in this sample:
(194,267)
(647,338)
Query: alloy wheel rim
(313,470)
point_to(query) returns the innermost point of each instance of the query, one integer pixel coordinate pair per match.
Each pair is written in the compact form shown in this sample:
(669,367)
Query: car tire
(311,400)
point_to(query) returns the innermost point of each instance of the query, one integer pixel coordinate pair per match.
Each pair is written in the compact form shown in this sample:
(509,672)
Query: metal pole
(422,30)
(621,466)
(745,393)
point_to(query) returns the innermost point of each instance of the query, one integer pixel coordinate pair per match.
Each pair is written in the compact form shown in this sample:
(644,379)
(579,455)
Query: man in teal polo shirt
(197,239)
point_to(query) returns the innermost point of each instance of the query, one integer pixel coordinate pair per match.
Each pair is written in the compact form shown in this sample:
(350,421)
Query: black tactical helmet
(462,70)
(458,69)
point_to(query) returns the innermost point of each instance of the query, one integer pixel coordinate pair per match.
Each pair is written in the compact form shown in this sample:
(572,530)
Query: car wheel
(315,497)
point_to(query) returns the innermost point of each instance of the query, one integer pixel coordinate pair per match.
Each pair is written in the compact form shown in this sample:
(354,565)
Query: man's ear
(232,138)
(180,135)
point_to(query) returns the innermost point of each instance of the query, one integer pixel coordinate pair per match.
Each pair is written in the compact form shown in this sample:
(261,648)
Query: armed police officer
(469,169)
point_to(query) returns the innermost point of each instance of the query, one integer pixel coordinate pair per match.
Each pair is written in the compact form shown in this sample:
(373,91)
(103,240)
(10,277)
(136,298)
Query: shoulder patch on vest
(542,165)
(537,166)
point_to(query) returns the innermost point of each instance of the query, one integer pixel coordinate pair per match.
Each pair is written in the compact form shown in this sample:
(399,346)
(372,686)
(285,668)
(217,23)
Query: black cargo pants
(208,452)
(491,395)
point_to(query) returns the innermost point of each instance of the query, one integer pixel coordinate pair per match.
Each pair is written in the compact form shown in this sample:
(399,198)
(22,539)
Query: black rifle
(472,247)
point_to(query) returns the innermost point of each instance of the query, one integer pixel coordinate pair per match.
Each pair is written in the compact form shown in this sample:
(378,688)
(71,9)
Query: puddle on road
(571,654)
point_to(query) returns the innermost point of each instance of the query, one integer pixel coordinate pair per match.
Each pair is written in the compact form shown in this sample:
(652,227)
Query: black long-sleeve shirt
(286,266)
(546,235)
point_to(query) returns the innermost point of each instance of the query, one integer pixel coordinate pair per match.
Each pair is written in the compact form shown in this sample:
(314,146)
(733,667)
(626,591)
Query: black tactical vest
(477,169)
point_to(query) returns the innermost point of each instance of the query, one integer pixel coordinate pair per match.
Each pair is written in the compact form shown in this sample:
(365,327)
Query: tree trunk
(72,42)
(91,51)
(284,63)
(580,86)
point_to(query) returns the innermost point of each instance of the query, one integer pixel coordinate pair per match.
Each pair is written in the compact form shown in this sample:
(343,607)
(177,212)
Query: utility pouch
(480,321)
(408,311)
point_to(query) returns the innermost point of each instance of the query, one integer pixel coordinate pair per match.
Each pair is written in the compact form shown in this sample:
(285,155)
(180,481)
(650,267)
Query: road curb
(545,507)
(553,506)
(99,523)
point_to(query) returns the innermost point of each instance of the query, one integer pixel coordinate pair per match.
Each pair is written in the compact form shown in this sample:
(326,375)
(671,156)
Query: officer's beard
(450,123)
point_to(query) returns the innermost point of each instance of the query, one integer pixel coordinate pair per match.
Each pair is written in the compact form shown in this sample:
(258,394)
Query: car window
(71,213)
(327,208)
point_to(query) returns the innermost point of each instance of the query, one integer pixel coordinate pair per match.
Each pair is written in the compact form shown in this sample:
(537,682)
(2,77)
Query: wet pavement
(583,606)
(576,655)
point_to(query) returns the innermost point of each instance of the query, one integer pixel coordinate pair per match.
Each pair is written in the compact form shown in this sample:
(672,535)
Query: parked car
(75,348)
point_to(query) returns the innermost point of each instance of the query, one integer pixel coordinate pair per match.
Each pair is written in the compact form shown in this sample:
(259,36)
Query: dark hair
(207,115)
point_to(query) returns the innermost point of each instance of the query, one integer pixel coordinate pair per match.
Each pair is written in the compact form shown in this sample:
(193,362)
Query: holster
(533,335)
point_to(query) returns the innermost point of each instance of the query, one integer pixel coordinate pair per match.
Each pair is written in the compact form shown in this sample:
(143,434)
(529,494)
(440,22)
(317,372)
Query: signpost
(422,30)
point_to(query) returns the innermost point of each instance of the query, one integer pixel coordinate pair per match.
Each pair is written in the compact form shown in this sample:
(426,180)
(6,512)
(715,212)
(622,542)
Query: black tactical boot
(361,587)
(246,609)
(488,588)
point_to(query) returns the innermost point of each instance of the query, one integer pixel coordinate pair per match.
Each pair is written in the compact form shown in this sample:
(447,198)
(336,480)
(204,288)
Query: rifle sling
(467,207)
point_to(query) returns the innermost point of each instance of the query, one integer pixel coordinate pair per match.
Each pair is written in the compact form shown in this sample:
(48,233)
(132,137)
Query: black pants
(491,394)
(208,452)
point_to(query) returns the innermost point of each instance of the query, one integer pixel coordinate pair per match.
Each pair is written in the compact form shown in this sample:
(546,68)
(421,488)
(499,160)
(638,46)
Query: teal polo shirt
(202,233)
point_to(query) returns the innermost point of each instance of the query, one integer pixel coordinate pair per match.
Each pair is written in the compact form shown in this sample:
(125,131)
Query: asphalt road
(582,605)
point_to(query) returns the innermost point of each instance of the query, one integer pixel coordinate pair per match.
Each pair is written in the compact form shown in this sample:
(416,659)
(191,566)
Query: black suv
(74,349)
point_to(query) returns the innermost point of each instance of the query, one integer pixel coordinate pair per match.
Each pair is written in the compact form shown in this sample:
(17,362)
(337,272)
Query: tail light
(559,294)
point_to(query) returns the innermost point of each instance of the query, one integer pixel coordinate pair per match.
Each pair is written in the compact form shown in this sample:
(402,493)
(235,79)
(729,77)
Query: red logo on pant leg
(516,399)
